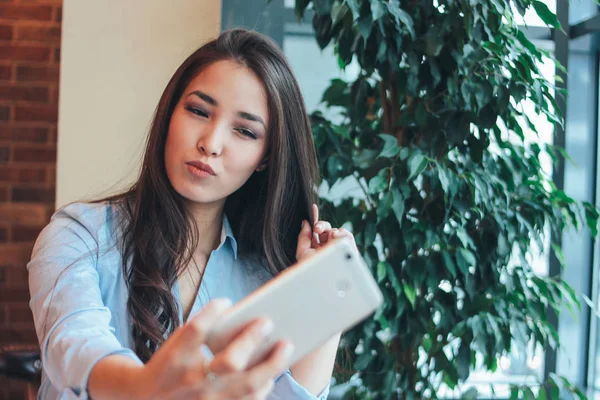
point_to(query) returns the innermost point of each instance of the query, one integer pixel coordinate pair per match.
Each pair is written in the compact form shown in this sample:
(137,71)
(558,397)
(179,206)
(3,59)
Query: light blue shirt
(79,297)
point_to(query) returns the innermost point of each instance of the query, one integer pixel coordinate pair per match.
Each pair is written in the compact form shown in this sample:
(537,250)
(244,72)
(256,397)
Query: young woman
(121,288)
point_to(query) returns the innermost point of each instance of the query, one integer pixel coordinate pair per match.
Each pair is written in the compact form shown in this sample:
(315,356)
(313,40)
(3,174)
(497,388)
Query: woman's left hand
(312,238)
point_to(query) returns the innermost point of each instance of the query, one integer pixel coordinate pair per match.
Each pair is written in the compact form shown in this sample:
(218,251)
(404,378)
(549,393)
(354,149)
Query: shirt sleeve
(287,388)
(71,320)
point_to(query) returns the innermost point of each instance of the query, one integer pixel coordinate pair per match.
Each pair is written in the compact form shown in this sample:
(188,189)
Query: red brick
(20,313)
(4,153)
(3,276)
(51,175)
(13,133)
(33,195)
(15,254)
(44,34)
(17,277)
(17,334)
(58,14)
(24,93)
(34,153)
(20,52)
(28,214)
(56,59)
(53,135)
(14,295)
(3,312)
(4,194)
(26,12)
(36,113)
(53,95)
(22,174)
(25,233)
(5,72)
(6,32)
(47,73)
(4,112)
(3,234)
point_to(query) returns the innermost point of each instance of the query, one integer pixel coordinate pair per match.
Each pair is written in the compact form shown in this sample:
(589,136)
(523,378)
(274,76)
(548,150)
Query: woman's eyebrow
(252,117)
(204,97)
(242,114)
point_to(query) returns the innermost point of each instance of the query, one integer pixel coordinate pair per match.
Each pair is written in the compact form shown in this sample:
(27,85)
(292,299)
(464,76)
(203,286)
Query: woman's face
(217,134)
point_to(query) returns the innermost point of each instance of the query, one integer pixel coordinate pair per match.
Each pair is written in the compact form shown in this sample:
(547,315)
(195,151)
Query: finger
(274,364)
(263,392)
(304,239)
(315,241)
(252,381)
(197,328)
(237,354)
(327,235)
(315,213)
(339,233)
(322,226)
(346,233)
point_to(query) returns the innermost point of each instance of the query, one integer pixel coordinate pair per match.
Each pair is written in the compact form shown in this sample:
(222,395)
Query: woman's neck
(209,219)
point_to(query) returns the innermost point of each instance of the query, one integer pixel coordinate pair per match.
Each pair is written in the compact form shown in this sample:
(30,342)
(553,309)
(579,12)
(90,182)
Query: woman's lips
(200,169)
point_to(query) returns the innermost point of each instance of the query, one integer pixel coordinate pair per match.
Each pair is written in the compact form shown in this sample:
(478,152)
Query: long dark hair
(265,213)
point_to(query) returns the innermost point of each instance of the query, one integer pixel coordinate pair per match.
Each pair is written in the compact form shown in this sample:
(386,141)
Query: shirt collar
(227,233)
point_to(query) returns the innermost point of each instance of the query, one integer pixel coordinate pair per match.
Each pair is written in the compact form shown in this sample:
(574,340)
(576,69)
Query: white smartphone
(309,302)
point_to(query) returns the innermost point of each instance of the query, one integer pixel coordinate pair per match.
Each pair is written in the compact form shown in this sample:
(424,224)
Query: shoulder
(80,224)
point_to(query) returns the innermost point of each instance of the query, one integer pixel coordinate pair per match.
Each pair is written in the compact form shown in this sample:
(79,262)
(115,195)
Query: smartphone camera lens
(348,256)
(342,287)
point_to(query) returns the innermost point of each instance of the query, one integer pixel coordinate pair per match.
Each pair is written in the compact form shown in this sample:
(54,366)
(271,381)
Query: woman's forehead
(231,85)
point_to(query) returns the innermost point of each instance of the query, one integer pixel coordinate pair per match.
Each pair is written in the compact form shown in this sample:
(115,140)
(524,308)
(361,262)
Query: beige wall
(117,56)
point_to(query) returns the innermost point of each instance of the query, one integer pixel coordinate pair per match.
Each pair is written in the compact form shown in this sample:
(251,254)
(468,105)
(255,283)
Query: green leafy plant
(454,198)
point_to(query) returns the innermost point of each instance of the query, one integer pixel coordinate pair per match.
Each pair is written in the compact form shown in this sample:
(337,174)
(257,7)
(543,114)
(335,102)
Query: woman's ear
(262,166)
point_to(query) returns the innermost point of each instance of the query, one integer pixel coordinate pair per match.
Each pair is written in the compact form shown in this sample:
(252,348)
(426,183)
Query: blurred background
(79,80)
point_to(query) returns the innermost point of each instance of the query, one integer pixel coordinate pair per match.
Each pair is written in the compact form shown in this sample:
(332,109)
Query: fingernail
(267,327)
(319,226)
(224,302)
(302,225)
(289,350)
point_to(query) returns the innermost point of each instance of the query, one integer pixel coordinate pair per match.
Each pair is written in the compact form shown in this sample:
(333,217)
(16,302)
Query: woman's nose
(211,142)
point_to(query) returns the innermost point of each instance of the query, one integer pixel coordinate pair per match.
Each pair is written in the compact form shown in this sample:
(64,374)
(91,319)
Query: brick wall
(29,67)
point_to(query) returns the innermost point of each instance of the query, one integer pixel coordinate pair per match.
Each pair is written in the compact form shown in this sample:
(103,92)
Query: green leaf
(364,158)
(365,24)
(377,9)
(449,263)
(300,7)
(416,165)
(463,360)
(546,15)
(381,268)
(402,16)
(354,7)
(384,205)
(322,7)
(398,205)
(470,394)
(390,146)
(528,393)
(396,285)
(379,183)
(514,392)
(465,260)
(410,294)
(542,393)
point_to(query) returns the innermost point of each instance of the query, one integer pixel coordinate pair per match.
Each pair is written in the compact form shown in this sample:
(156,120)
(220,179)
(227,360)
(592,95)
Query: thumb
(198,326)
(304,239)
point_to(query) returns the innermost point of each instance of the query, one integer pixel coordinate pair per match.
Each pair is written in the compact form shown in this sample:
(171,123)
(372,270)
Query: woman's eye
(197,111)
(246,132)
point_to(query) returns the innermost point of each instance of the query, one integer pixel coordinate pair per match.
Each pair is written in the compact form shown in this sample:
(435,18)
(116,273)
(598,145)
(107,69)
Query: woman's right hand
(178,369)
